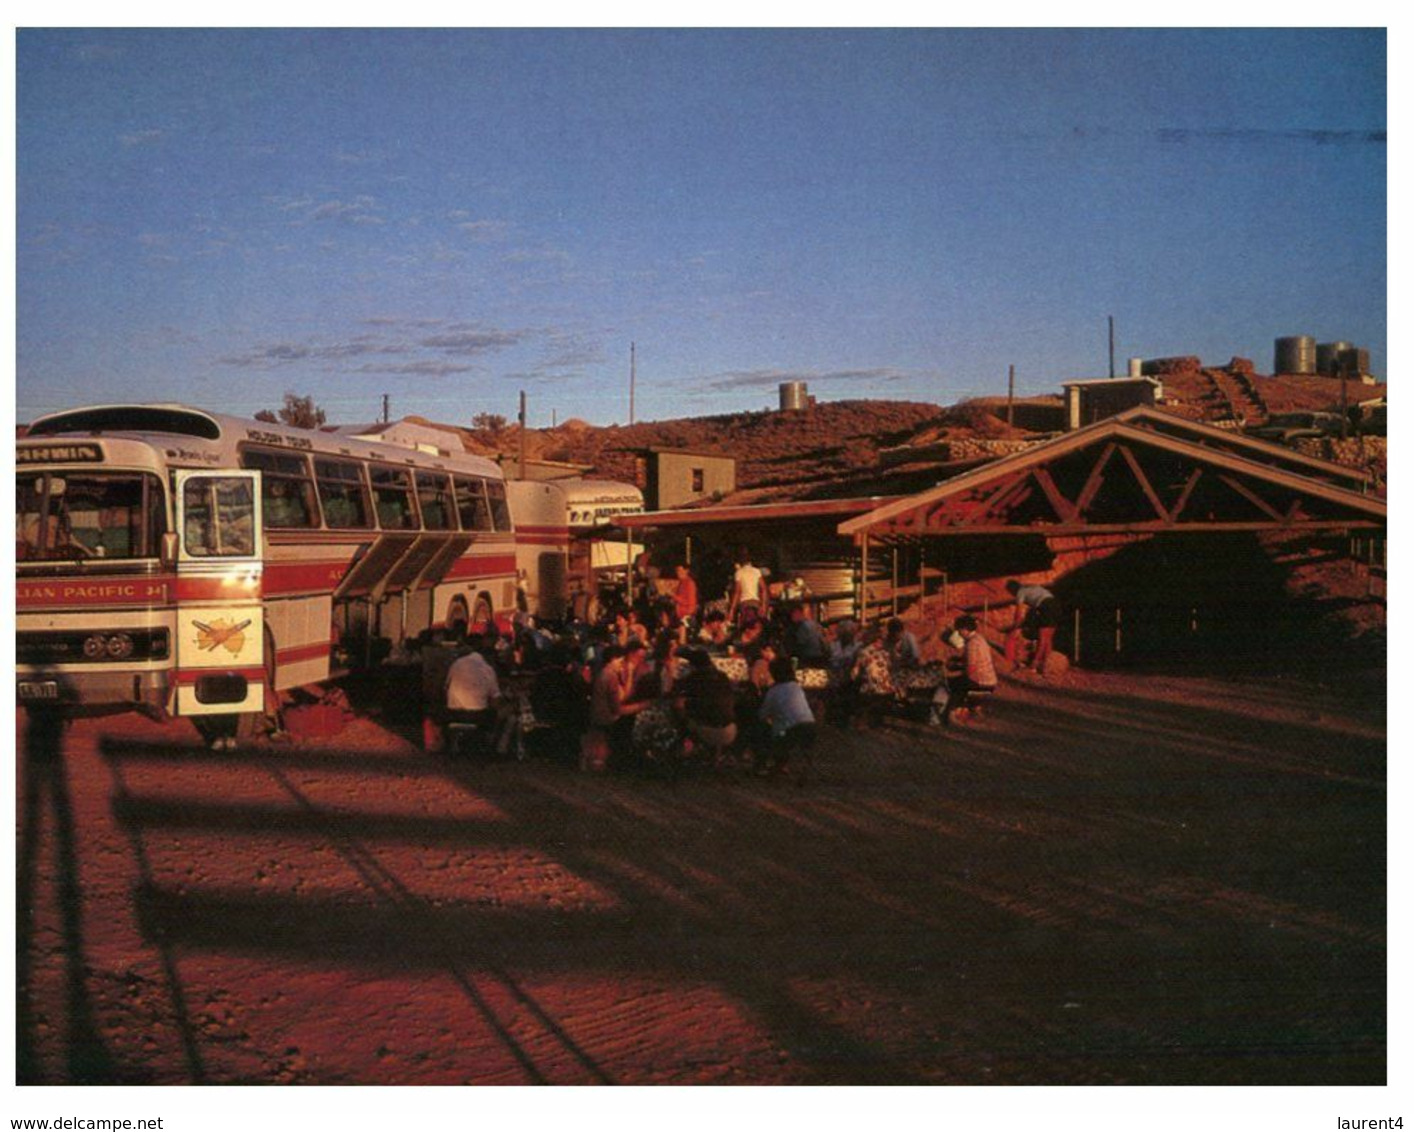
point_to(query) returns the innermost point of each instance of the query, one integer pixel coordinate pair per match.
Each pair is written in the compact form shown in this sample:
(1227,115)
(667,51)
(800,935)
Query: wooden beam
(1094,480)
(1252,497)
(1186,494)
(1154,527)
(995,499)
(1149,492)
(1063,507)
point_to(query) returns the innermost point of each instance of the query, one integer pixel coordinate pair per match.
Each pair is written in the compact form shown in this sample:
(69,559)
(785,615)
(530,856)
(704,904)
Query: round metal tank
(1328,357)
(1136,367)
(794,395)
(1295,355)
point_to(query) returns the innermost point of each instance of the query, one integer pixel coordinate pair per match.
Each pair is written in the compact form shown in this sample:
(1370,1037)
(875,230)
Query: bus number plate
(38,690)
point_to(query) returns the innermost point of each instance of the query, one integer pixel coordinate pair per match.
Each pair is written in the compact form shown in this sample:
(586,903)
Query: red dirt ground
(1110,879)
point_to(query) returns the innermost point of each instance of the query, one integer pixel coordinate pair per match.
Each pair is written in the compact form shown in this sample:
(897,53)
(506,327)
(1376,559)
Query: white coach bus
(185,562)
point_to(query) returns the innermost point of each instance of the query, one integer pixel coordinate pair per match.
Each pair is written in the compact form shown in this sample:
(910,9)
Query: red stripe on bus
(218,589)
(483,566)
(316,651)
(304,577)
(192,675)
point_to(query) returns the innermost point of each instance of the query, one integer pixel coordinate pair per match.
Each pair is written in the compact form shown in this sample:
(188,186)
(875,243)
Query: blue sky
(217,217)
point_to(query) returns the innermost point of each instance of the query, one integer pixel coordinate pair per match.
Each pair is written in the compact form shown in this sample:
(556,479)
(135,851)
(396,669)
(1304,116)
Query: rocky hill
(840,447)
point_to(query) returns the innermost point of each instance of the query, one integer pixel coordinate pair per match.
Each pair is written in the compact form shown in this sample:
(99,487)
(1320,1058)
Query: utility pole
(632,376)
(1112,346)
(385,408)
(1010,395)
(521,473)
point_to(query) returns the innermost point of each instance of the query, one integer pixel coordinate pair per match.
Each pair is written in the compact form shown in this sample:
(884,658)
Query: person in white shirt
(474,693)
(748,589)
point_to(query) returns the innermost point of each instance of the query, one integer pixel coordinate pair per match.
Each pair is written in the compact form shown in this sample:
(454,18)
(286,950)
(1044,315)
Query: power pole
(1010,394)
(385,408)
(1112,345)
(521,473)
(632,376)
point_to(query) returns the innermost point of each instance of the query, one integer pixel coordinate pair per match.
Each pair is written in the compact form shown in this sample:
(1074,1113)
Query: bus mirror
(169,549)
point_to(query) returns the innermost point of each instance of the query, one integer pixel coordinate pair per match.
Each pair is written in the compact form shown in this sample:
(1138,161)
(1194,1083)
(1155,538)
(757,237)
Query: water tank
(1328,355)
(1136,367)
(794,395)
(1352,362)
(1295,355)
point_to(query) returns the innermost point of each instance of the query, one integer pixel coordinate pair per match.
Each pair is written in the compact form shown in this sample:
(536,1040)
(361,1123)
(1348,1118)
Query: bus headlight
(120,646)
(95,647)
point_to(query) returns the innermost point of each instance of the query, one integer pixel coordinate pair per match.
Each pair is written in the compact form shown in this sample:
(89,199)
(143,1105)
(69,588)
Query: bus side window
(392,498)
(342,494)
(286,490)
(436,502)
(500,509)
(471,504)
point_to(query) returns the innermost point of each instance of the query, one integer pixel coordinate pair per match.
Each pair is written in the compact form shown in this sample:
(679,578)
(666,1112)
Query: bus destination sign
(58,454)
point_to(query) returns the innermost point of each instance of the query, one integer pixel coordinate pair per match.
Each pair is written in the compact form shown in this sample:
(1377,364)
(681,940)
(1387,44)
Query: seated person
(706,702)
(872,685)
(438,652)
(783,709)
(715,633)
(474,693)
(903,647)
(978,675)
(804,638)
(559,696)
(611,708)
(843,649)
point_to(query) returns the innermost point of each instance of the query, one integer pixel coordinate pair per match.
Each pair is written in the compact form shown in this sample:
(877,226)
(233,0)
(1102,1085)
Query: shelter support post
(864,580)
(1075,649)
(628,571)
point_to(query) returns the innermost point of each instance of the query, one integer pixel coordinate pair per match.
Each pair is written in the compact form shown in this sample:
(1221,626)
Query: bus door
(220,648)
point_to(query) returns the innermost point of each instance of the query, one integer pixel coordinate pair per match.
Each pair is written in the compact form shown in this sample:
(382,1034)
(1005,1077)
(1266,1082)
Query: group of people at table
(746,683)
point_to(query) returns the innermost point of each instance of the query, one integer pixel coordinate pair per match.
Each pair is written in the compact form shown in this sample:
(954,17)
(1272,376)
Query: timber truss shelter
(1144,472)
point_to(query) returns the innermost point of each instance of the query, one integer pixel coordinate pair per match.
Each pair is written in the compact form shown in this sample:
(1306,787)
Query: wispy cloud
(358,157)
(1315,137)
(484,231)
(428,368)
(473,341)
(359,210)
(276,354)
(766,378)
(308,210)
(141,137)
(402,321)
(99,52)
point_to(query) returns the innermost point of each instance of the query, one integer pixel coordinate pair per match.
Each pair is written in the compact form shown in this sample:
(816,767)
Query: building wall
(1086,404)
(676,479)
